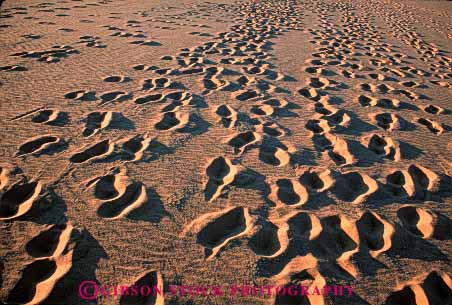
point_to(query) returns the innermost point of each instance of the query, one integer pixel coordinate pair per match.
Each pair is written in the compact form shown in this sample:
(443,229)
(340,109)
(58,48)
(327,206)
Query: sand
(222,143)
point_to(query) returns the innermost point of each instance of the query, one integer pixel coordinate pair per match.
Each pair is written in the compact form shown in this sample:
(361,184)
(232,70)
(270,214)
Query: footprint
(418,221)
(81,95)
(215,230)
(227,115)
(14,68)
(317,181)
(388,103)
(172,120)
(407,295)
(95,121)
(382,146)
(155,83)
(39,278)
(433,109)
(94,152)
(438,287)
(337,242)
(245,95)
(424,179)
(400,184)
(182,96)
(109,187)
(266,241)
(340,152)
(246,80)
(49,117)
(318,82)
(433,126)
(288,192)
(153,280)
(51,242)
(320,126)
(242,140)
(149,98)
(338,120)
(220,173)
(375,232)
(39,145)
(434,288)
(116,79)
(214,84)
(133,148)
(310,93)
(254,70)
(354,187)
(410,84)
(18,199)
(274,155)
(143,68)
(113,96)
(385,120)
(367,101)
(262,110)
(134,197)
(271,129)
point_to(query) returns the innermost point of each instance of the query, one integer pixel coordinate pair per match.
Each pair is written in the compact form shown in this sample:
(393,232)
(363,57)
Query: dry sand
(226,143)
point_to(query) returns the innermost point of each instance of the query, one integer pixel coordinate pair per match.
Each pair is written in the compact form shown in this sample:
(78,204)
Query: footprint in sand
(245,95)
(110,186)
(97,151)
(116,79)
(13,68)
(133,148)
(18,199)
(95,121)
(310,93)
(50,117)
(354,187)
(81,95)
(39,278)
(433,109)
(276,155)
(114,96)
(215,230)
(149,84)
(172,120)
(317,181)
(435,288)
(40,145)
(385,120)
(418,221)
(382,146)
(399,183)
(149,98)
(337,242)
(431,125)
(339,151)
(133,197)
(220,173)
(375,233)
(152,279)
(243,140)
(50,242)
(266,241)
(288,192)
(227,115)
